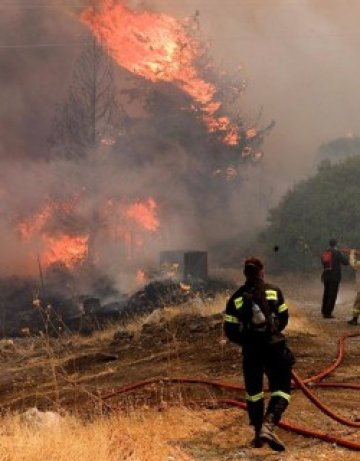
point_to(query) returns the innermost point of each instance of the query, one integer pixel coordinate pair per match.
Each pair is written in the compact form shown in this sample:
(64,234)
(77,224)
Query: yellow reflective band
(230,319)
(282,394)
(271,295)
(282,308)
(356,311)
(255,398)
(238,302)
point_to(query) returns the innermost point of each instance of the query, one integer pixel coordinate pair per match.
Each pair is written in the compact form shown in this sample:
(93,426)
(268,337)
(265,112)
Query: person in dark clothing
(255,316)
(332,260)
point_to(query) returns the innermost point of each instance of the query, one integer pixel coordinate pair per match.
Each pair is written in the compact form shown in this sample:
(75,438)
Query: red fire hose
(337,361)
(298,383)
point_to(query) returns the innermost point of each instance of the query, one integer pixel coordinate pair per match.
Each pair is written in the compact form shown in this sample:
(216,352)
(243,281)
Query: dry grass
(196,306)
(143,436)
(179,433)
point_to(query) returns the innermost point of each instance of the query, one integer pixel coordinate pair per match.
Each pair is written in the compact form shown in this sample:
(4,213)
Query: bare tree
(91,115)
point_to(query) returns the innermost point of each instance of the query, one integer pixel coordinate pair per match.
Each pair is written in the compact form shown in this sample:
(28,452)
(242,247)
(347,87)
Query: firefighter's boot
(353,321)
(268,435)
(256,441)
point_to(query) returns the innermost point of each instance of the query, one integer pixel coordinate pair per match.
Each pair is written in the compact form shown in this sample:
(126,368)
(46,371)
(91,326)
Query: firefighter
(331,278)
(254,318)
(355,263)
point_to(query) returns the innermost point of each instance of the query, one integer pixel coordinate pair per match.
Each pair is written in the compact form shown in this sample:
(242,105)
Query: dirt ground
(188,342)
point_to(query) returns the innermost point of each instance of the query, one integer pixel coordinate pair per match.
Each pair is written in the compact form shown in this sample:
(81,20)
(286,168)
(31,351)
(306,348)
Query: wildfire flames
(144,213)
(158,48)
(124,224)
(68,250)
(131,223)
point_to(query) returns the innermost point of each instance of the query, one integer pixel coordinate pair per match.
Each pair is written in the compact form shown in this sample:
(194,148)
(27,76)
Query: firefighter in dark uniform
(255,316)
(331,278)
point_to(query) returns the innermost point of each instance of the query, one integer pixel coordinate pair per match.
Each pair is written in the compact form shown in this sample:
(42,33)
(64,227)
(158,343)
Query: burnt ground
(187,341)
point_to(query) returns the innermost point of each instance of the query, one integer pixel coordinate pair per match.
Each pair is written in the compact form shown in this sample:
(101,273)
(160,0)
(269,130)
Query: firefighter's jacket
(355,264)
(334,274)
(238,313)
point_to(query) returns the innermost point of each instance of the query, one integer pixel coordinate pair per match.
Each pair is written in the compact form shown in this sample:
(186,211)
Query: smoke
(299,58)
(301,69)
(35,57)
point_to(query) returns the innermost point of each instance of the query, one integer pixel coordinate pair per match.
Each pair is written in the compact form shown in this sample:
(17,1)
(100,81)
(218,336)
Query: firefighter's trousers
(275,361)
(331,290)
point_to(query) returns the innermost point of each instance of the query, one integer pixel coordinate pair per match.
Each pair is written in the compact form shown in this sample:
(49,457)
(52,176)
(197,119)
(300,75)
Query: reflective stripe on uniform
(282,394)
(255,398)
(238,302)
(271,295)
(230,319)
(282,308)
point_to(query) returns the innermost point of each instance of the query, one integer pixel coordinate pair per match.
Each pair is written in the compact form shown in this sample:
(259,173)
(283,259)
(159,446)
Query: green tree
(339,149)
(324,206)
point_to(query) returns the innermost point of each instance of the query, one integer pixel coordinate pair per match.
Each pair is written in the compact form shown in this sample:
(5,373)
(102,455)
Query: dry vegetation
(142,436)
(154,423)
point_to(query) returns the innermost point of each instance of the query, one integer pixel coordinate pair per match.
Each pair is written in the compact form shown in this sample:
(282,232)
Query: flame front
(158,48)
(124,224)
(58,247)
(68,250)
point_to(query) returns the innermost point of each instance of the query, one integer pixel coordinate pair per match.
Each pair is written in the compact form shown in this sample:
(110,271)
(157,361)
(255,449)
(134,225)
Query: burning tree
(159,48)
(172,178)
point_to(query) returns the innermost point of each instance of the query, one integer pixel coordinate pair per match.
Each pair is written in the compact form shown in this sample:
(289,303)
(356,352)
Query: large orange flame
(68,250)
(157,47)
(126,224)
(62,248)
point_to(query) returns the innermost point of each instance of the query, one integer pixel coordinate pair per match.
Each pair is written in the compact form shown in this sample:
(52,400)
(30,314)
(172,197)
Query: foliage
(321,207)
(339,149)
